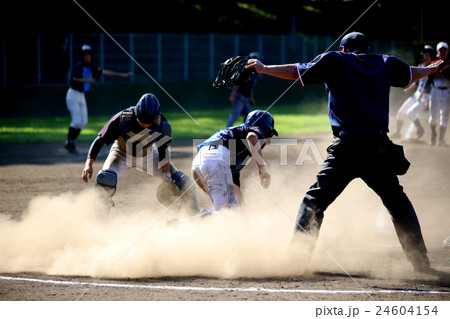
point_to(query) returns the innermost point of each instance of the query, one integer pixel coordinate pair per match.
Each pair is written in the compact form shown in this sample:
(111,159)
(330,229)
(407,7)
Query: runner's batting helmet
(428,49)
(264,120)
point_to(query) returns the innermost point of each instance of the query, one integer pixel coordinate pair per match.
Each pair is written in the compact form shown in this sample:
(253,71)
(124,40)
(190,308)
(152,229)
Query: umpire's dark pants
(377,161)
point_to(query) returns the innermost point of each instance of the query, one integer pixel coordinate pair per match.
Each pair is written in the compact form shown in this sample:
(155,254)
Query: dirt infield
(53,248)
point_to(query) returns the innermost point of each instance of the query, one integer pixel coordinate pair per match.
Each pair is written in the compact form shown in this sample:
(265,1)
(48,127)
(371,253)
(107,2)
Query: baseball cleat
(71,148)
(422,266)
(420,132)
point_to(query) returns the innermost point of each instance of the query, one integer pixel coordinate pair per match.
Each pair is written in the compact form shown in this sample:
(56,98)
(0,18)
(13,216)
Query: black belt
(442,87)
(358,132)
(212,146)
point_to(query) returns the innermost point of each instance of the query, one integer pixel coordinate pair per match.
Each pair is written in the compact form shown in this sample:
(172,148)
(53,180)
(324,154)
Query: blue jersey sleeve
(315,71)
(401,74)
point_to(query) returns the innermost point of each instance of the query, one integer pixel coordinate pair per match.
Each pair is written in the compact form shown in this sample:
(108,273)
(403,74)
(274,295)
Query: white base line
(251,289)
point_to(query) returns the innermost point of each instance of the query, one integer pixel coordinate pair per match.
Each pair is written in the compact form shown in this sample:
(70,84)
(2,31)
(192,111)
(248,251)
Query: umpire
(358,86)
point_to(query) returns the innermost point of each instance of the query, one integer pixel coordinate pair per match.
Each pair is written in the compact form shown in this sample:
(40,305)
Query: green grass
(289,120)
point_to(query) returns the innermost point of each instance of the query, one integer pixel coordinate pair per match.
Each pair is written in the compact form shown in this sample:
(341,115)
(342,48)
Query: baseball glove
(180,190)
(232,72)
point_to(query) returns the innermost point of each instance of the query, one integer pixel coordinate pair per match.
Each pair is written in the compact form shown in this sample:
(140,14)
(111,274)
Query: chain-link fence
(46,59)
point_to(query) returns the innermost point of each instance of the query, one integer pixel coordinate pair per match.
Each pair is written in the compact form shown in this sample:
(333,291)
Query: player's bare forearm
(116,74)
(166,167)
(239,195)
(285,71)
(421,72)
(88,170)
(84,80)
(411,87)
(255,149)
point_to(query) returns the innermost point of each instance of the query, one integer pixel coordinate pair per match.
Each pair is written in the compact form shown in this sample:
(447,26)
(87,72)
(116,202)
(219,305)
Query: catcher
(141,137)
(220,158)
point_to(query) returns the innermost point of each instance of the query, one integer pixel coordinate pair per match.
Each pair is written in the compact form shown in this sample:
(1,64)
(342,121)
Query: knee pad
(107,180)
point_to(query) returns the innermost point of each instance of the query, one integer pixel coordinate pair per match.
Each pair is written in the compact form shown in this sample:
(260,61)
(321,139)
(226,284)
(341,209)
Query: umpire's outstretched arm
(289,71)
(421,72)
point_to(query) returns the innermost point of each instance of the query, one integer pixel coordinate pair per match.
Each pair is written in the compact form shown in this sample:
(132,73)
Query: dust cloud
(68,235)
(74,234)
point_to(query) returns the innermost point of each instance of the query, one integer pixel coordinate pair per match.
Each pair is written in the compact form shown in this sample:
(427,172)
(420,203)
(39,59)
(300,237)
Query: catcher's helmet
(148,109)
(264,120)
(428,49)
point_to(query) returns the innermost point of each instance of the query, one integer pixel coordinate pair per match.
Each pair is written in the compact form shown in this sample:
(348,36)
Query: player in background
(241,98)
(141,137)
(83,74)
(439,96)
(412,107)
(358,85)
(217,165)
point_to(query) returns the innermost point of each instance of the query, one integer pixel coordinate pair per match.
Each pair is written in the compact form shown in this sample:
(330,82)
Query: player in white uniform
(220,158)
(440,98)
(83,74)
(412,107)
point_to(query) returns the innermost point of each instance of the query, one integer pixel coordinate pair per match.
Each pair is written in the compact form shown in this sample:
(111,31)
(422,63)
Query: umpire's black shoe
(71,148)
(422,266)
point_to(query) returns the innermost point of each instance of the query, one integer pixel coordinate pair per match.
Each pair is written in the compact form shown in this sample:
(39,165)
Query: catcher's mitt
(232,72)
(180,190)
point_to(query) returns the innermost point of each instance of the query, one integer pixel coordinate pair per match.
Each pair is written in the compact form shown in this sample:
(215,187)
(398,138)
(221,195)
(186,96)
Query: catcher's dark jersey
(83,71)
(358,87)
(246,87)
(124,128)
(233,138)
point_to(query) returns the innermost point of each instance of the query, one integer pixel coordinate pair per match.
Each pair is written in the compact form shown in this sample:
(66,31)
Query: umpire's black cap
(355,42)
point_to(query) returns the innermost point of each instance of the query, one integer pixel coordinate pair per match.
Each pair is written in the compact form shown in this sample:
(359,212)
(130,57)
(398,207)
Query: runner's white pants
(439,106)
(76,104)
(412,107)
(211,171)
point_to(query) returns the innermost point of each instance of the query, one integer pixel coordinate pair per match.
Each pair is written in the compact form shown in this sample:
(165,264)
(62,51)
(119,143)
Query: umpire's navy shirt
(358,87)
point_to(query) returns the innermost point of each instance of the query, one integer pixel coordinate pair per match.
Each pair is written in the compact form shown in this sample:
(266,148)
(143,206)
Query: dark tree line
(396,19)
